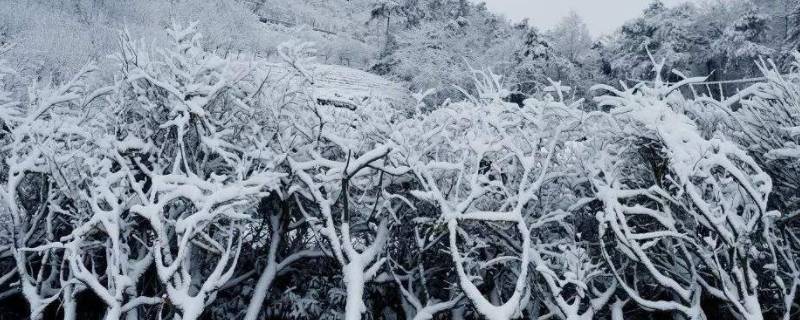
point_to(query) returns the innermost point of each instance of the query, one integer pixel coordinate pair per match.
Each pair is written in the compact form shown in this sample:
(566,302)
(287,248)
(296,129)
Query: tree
(571,38)
(536,63)
(743,42)
(665,32)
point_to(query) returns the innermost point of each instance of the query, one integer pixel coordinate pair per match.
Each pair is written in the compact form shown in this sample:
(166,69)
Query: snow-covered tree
(571,37)
(666,32)
(743,42)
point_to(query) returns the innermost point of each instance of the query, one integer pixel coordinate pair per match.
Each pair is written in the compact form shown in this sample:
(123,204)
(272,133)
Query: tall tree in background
(782,17)
(385,9)
(571,37)
(668,33)
(740,44)
(536,62)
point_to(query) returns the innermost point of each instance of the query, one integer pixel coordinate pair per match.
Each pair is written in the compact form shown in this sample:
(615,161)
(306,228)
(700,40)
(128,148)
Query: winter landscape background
(397,159)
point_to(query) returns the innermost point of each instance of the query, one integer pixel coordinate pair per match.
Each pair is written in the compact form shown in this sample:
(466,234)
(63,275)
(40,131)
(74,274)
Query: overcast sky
(602,16)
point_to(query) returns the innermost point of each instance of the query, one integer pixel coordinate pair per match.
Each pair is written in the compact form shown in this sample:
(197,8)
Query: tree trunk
(354,282)
(68,303)
(386,43)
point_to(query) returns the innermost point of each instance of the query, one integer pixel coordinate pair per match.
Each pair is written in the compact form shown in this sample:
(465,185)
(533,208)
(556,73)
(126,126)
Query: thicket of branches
(188,187)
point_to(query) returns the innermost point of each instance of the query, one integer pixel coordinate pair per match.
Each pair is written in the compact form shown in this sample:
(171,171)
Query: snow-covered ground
(347,87)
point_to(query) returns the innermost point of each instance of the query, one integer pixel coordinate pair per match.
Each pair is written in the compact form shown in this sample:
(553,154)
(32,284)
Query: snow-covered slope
(348,87)
(343,85)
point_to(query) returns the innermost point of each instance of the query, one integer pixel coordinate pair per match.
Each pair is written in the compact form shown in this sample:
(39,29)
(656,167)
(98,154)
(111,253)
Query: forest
(397,159)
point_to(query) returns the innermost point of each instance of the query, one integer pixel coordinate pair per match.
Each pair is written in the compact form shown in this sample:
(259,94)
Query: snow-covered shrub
(766,122)
(685,213)
(188,184)
(764,119)
(484,165)
(159,171)
(35,127)
(195,161)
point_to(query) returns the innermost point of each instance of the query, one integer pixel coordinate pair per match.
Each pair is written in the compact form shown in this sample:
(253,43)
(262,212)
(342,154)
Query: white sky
(601,16)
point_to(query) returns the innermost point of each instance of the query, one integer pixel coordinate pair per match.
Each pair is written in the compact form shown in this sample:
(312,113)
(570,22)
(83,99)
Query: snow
(346,87)
(190,182)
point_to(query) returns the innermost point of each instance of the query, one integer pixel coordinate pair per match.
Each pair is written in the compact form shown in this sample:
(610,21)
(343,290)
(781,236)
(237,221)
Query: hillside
(89,30)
